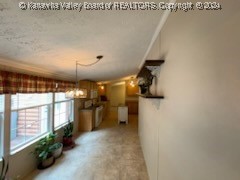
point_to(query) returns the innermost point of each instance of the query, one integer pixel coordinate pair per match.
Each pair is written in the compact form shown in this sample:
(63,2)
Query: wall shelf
(150,96)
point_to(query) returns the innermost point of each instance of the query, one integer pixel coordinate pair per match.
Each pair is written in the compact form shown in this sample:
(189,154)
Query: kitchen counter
(89,118)
(86,120)
(90,108)
(87,109)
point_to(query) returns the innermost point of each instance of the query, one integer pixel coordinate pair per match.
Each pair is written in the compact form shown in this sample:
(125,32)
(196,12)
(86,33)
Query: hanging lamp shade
(76,93)
(80,92)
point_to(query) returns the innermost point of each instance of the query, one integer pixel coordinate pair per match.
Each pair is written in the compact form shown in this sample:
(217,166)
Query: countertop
(89,108)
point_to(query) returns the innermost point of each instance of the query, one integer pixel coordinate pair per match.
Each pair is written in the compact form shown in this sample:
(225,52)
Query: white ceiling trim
(157,32)
(15,66)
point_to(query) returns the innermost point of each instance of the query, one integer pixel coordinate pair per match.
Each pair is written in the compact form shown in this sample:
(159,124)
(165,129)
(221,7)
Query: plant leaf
(4,175)
(3,164)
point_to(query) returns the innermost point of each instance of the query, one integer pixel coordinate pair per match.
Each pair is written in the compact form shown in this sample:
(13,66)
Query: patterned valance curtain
(45,85)
(12,83)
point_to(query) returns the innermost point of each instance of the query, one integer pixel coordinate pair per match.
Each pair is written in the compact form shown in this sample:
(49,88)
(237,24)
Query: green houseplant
(43,151)
(4,169)
(67,137)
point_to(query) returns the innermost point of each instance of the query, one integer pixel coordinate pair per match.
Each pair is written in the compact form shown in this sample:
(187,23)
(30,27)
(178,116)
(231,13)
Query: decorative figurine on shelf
(144,83)
(141,84)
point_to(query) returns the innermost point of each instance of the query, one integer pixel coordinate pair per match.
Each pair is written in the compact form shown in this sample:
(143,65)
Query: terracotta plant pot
(67,141)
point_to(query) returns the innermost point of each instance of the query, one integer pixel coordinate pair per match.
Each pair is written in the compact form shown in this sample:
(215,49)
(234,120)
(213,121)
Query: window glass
(60,97)
(63,110)
(30,117)
(29,100)
(1,103)
(1,123)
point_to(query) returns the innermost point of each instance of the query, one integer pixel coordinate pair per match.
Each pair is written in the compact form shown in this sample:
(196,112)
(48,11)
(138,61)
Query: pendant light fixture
(80,92)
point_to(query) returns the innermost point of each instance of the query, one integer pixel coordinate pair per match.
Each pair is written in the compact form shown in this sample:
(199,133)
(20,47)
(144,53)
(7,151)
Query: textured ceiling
(51,41)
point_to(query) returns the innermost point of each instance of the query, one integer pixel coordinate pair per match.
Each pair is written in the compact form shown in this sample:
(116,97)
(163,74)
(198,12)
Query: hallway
(110,152)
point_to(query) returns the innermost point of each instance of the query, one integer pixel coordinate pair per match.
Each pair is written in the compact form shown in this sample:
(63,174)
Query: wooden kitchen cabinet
(84,84)
(86,120)
(132,107)
(131,90)
(89,85)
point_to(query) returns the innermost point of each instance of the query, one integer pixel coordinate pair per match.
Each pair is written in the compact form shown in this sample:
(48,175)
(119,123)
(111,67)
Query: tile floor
(110,152)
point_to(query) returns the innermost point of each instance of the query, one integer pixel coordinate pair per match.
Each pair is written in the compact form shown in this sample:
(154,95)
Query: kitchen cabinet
(132,107)
(132,90)
(91,88)
(86,119)
(84,84)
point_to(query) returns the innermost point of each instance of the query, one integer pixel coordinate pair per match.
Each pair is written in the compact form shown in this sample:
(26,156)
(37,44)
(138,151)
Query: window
(30,117)
(63,110)
(1,123)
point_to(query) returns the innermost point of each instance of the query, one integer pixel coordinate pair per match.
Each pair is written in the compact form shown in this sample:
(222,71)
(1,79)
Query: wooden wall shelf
(151,96)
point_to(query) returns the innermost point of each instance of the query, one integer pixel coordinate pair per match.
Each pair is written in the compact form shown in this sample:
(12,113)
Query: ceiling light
(76,92)
(80,92)
(132,83)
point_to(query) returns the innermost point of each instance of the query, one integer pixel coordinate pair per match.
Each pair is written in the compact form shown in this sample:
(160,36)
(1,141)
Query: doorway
(118,95)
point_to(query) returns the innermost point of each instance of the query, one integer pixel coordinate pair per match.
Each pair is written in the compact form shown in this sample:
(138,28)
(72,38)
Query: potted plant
(67,137)
(43,151)
(56,149)
(4,169)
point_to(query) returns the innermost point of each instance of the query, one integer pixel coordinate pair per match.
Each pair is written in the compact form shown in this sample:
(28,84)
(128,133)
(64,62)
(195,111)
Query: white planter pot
(58,152)
(47,162)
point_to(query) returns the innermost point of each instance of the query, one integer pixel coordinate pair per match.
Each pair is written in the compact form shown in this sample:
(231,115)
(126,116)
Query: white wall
(197,125)
(148,134)
(118,95)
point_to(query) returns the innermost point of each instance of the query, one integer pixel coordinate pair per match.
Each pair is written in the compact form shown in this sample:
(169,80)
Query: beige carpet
(110,152)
